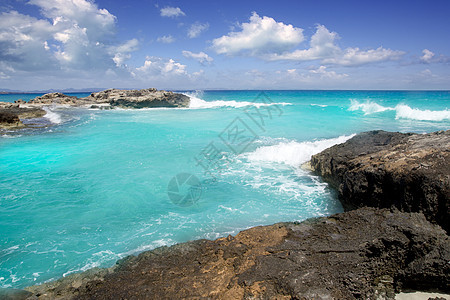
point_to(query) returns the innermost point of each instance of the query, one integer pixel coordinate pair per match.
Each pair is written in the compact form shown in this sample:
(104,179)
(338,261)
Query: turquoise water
(93,188)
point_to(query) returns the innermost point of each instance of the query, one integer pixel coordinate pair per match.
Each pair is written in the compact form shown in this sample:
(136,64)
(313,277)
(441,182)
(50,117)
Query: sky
(189,45)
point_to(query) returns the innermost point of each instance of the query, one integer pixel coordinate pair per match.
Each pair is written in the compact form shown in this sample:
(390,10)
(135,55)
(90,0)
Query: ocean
(99,185)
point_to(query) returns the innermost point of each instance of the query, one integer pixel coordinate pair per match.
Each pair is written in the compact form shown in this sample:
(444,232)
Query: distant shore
(12,115)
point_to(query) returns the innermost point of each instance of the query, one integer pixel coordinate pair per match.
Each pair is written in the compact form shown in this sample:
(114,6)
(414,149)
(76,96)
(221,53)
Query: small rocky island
(12,114)
(395,189)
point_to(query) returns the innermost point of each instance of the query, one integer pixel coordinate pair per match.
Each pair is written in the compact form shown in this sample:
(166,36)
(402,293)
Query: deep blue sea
(98,185)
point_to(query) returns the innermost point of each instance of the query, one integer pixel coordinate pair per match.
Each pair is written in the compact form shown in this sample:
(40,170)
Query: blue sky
(58,44)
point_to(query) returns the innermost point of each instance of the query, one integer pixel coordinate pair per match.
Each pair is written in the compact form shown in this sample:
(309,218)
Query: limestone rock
(139,98)
(54,98)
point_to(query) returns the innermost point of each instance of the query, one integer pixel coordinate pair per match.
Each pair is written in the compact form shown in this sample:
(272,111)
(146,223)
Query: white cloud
(260,35)
(23,42)
(158,66)
(78,36)
(171,12)
(322,71)
(166,39)
(122,52)
(323,47)
(197,28)
(427,56)
(201,57)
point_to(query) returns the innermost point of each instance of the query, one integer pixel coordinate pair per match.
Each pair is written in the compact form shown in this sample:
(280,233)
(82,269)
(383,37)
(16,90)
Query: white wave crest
(402,111)
(406,112)
(198,103)
(368,107)
(293,153)
(53,117)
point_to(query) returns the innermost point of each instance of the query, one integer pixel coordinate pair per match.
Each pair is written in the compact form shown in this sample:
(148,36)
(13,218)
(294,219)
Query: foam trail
(406,112)
(293,153)
(52,116)
(198,103)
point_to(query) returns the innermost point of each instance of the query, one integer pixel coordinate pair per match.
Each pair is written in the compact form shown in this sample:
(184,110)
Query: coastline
(12,115)
(392,250)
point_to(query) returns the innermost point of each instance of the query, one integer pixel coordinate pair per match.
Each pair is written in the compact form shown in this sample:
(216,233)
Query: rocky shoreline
(395,188)
(13,114)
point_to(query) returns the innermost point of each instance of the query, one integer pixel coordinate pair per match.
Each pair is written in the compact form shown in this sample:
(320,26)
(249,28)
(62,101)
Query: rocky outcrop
(10,120)
(139,98)
(366,253)
(386,169)
(55,99)
(11,115)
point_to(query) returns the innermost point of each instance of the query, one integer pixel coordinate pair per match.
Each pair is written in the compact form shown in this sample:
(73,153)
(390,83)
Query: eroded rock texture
(387,169)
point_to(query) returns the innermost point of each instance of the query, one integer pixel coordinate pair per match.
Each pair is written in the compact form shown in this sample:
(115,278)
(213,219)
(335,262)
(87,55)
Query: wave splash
(198,103)
(402,111)
(293,153)
(53,117)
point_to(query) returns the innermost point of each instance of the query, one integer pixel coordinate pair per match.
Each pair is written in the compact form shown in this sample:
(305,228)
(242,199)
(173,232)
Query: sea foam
(52,116)
(293,153)
(198,103)
(402,111)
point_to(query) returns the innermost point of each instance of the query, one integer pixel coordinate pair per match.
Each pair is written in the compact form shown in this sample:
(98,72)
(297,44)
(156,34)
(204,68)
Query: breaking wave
(402,111)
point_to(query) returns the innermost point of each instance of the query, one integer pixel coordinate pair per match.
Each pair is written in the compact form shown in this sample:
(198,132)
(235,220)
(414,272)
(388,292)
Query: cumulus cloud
(78,36)
(258,36)
(322,71)
(196,29)
(23,42)
(323,47)
(166,39)
(171,12)
(158,66)
(427,56)
(122,52)
(201,57)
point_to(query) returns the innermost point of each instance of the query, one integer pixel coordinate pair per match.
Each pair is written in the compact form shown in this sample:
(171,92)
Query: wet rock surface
(11,115)
(387,169)
(365,253)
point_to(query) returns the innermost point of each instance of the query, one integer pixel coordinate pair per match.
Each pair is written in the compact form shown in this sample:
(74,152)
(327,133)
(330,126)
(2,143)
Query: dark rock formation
(366,253)
(55,98)
(11,115)
(14,294)
(384,169)
(139,98)
(9,120)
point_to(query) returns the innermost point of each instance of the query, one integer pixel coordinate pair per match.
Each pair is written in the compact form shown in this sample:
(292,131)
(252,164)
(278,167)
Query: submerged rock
(387,169)
(366,253)
(139,98)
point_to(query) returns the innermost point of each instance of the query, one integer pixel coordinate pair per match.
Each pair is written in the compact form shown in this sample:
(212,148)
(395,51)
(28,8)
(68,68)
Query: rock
(384,169)
(11,115)
(54,98)
(139,98)
(366,253)
(14,294)
(9,120)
